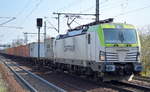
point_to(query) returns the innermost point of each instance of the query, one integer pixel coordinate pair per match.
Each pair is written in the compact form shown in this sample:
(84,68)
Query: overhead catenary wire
(97,8)
(8,21)
(92,7)
(105,7)
(115,4)
(31,12)
(88,9)
(23,9)
(132,11)
(112,3)
(76,2)
(12,18)
(12,27)
(112,7)
(5,17)
(36,6)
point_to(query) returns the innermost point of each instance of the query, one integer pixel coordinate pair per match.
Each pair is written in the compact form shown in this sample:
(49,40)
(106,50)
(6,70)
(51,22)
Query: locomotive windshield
(120,36)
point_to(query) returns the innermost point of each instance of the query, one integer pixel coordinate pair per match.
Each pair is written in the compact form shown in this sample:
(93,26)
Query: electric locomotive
(103,49)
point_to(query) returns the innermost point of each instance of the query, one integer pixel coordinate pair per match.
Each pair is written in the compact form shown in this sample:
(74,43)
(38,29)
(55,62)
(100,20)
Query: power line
(104,2)
(107,4)
(74,14)
(12,18)
(71,4)
(8,21)
(26,5)
(12,27)
(132,11)
(115,3)
(5,17)
(36,6)
(88,9)
(26,36)
(110,8)
(92,7)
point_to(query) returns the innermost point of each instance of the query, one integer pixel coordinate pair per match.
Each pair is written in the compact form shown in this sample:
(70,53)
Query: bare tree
(17,42)
(145,48)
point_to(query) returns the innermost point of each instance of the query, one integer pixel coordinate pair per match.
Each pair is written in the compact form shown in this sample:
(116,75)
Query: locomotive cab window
(120,36)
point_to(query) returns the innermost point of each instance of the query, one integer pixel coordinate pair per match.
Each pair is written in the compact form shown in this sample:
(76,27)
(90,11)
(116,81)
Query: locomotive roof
(104,24)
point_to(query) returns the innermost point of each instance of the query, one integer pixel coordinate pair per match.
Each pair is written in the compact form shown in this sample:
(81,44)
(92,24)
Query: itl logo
(68,48)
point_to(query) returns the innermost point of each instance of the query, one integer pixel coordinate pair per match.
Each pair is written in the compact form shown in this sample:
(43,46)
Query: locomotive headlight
(102,56)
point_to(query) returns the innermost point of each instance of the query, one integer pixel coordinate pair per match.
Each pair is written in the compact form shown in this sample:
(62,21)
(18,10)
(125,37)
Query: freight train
(103,50)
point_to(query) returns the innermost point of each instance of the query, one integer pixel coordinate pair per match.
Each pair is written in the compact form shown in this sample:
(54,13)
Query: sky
(25,12)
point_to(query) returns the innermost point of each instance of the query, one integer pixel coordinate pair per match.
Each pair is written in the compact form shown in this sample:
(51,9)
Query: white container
(33,47)
(49,48)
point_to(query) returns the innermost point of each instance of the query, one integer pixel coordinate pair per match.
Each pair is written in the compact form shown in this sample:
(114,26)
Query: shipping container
(22,50)
(10,51)
(33,49)
(3,51)
(49,53)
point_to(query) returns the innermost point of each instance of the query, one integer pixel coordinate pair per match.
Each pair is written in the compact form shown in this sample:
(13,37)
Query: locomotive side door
(89,46)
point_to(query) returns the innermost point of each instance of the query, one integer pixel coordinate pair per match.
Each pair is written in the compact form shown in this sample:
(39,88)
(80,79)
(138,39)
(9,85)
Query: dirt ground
(8,82)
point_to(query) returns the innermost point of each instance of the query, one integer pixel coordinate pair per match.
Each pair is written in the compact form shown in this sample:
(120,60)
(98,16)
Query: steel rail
(58,89)
(32,89)
(100,83)
(145,88)
(142,78)
(27,84)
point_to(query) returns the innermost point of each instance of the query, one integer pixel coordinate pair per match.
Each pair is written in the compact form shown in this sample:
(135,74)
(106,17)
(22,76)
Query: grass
(3,86)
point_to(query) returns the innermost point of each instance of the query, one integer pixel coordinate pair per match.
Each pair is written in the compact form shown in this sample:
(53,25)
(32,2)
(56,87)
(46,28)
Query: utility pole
(44,30)
(58,22)
(97,10)
(26,36)
(44,35)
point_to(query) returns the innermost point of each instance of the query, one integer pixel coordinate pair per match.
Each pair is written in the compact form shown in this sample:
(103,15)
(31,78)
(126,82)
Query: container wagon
(33,49)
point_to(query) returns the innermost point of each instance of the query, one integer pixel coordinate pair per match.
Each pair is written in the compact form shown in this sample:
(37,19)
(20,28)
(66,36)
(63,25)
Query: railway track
(142,78)
(130,86)
(69,83)
(30,81)
(120,86)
